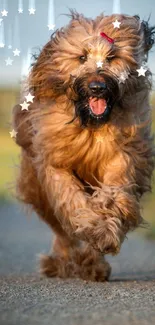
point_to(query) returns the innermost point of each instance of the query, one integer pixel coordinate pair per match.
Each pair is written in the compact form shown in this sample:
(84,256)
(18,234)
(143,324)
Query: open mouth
(95,111)
(97,106)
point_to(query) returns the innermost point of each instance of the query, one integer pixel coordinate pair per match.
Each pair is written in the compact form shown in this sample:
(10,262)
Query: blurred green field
(8,150)
(9,155)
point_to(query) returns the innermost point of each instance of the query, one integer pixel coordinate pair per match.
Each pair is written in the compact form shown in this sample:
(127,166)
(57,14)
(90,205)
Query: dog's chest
(85,152)
(90,164)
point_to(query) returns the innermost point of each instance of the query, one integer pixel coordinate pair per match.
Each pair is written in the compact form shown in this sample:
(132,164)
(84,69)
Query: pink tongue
(98,106)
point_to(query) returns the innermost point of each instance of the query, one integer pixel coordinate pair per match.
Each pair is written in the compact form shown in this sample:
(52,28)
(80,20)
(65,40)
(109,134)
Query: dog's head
(94,64)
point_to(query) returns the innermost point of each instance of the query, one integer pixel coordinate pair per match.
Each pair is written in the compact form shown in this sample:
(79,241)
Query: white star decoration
(24,106)
(2,45)
(51,26)
(32,11)
(99,64)
(141,71)
(123,76)
(20,10)
(116,24)
(16,52)
(99,138)
(29,98)
(8,61)
(4,13)
(13,133)
(10,47)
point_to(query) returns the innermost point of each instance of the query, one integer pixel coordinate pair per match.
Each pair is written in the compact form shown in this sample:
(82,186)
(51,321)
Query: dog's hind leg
(58,262)
(75,261)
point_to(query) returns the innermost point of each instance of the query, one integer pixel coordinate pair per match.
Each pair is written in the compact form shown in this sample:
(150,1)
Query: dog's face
(94,64)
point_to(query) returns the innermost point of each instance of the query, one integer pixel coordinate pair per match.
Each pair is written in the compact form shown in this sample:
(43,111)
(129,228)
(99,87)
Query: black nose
(97,86)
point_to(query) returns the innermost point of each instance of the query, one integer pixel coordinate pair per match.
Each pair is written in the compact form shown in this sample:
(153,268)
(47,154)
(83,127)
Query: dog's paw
(103,233)
(107,237)
(56,266)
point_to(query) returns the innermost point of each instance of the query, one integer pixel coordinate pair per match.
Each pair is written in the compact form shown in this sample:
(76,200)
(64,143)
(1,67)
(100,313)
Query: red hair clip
(110,40)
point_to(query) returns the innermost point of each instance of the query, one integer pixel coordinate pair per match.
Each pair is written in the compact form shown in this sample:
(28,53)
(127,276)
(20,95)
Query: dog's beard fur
(60,157)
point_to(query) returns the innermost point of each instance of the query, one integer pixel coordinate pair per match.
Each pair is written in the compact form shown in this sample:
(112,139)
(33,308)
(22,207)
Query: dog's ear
(148,32)
(22,125)
(149,35)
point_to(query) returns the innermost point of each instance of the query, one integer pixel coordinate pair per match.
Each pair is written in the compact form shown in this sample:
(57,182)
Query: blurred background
(25,26)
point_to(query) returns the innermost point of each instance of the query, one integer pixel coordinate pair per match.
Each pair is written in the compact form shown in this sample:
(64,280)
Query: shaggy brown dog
(87,150)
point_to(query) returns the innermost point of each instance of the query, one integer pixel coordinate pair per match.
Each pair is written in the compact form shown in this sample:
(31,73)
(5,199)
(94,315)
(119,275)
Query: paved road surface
(28,299)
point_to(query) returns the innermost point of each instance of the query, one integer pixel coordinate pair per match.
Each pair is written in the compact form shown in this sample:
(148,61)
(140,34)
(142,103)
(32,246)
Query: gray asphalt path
(28,299)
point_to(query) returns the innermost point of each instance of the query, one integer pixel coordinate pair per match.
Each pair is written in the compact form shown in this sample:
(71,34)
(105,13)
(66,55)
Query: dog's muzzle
(97,105)
(95,100)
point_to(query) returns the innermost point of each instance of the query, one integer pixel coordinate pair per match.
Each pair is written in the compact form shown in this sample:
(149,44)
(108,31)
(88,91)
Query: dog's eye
(110,58)
(83,58)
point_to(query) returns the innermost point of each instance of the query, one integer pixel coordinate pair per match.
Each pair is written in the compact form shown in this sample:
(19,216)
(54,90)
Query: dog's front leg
(67,197)
(102,219)
(119,212)
(116,200)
